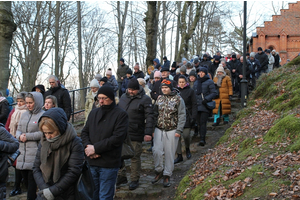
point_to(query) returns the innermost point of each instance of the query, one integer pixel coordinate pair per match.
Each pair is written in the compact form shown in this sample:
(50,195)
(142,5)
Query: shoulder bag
(85,185)
(209,105)
(127,149)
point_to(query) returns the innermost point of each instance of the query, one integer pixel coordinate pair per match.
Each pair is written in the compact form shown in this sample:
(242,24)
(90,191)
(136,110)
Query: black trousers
(31,185)
(202,118)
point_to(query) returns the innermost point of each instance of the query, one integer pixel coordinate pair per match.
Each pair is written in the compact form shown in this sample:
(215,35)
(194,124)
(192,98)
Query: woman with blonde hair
(50,102)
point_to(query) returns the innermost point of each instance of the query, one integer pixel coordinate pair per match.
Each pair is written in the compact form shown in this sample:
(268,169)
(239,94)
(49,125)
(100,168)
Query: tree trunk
(178,30)
(81,83)
(121,25)
(7,27)
(151,32)
(57,16)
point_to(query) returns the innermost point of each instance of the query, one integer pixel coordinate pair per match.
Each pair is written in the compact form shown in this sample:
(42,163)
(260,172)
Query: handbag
(13,157)
(127,149)
(85,186)
(209,105)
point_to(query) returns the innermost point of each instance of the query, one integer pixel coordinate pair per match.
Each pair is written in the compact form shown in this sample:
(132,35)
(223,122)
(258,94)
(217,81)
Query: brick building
(281,34)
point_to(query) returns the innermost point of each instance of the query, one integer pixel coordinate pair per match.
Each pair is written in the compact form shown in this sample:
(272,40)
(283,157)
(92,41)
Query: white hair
(53,77)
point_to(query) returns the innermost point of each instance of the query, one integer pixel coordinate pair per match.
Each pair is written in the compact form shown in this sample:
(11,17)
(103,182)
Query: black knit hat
(233,56)
(193,73)
(104,79)
(129,71)
(203,69)
(107,91)
(133,84)
(174,65)
(259,49)
(167,82)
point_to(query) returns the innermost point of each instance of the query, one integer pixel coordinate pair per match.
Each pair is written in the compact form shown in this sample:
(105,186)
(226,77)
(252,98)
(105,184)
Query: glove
(230,97)
(48,194)
(204,102)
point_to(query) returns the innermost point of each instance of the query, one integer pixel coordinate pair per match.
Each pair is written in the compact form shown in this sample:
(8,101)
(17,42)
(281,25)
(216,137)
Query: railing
(73,102)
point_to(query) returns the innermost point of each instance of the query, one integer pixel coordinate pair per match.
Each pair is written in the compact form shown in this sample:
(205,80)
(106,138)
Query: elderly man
(102,137)
(62,95)
(137,72)
(140,116)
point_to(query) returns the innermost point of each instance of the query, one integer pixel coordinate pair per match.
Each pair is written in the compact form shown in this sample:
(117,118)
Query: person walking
(189,97)
(102,137)
(59,159)
(29,135)
(223,104)
(169,121)
(140,117)
(205,91)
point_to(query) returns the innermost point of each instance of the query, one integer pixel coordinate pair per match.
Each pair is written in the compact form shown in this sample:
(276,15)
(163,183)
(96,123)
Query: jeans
(105,181)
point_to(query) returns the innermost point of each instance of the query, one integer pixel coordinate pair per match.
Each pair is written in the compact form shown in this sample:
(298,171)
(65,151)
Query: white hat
(94,83)
(221,69)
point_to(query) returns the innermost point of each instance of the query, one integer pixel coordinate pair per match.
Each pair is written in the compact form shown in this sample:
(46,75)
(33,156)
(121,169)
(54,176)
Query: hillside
(259,155)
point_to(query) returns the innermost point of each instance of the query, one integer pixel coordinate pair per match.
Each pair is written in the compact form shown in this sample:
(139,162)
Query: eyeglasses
(102,98)
(48,133)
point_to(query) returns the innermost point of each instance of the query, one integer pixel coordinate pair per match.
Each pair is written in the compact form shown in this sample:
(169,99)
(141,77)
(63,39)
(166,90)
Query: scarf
(220,78)
(54,155)
(94,93)
(14,120)
(200,81)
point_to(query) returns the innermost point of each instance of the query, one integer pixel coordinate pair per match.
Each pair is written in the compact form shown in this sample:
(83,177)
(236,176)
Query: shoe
(150,149)
(167,181)
(133,185)
(15,192)
(178,159)
(158,176)
(202,143)
(225,122)
(188,153)
(121,180)
(217,123)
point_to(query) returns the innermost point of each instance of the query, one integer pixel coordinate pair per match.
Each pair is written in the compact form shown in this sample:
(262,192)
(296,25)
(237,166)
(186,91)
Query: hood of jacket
(38,102)
(156,60)
(59,116)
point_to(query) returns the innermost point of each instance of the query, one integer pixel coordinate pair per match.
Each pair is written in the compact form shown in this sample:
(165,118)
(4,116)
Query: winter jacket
(166,64)
(169,112)
(9,119)
(209,93)
(240,70)
(107,141)
(112,80)
(4,110)
(234,64)
(158,65)
(139,74)
(63,99)
(125,83)
(190,101)
(224,92)
(263,60)
(28,124)
(8,145)
(121,72)
(140,114)
(213,68)
(277,58)
(271,62)
(67,154)
(10,102)
(89,102)
(255,66)
(205,63)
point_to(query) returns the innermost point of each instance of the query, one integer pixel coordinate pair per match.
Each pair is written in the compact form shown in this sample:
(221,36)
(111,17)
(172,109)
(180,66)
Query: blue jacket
(125,83)
(166,64)
(209,93)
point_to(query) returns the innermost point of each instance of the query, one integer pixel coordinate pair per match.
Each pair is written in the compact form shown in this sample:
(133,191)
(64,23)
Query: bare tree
(6,32)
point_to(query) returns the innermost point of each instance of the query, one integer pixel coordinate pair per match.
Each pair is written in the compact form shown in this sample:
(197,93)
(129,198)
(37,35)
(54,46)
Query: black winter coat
(240,70)
(277,58)
(189,97)
(140,114)
(65,188)
(209,93)
(205,63)
(234,65)
(8,145)
(63,99)
(4,111)
(212,69)
(263,60)
(106,129)
(139,74)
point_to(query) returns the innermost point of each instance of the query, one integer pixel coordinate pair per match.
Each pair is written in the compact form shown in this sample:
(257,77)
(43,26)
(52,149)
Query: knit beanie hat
(183,69)
(141,81)
(98,77)
(203,69)
(221,69)
(104,79)
(167,82)
(109,72)
(133,84)
(157,74)
(193,73)
(259,49)
(107,91)
(178,70)
(129,71)
(233,56)
(174,65)
(94,83)
(121,59)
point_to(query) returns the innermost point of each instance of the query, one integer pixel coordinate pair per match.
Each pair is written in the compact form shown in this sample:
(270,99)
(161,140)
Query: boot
(167,181)
(188,153)
(158,176)
(121,180)
(217,123)
(178,159)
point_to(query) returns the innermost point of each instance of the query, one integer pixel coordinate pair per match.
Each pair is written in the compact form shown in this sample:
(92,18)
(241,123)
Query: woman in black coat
(189,97)
(8,145)
(59,159)
(205,92)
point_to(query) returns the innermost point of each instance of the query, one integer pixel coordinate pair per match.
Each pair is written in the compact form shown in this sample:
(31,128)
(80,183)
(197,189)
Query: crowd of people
(168,104)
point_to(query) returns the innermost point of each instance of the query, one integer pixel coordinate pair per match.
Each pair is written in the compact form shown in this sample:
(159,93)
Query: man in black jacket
(140,116)
(102,137)
(263,60)
(62,95)
(234,65)
(137,72)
